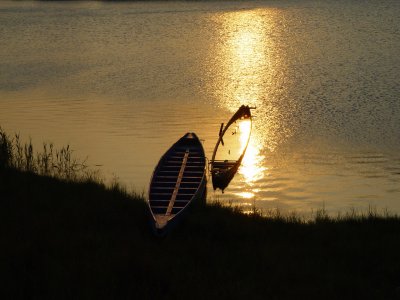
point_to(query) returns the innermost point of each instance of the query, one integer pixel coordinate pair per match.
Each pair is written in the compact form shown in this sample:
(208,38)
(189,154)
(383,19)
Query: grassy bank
(78,239)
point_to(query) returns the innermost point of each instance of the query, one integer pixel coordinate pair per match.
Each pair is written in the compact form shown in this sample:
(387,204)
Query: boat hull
(222,177)
(223,171)
(178,182)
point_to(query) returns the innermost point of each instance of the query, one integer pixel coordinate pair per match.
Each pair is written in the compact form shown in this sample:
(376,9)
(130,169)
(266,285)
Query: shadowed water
(122,82)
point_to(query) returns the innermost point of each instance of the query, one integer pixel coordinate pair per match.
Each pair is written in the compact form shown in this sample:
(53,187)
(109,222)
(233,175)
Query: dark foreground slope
(63,240)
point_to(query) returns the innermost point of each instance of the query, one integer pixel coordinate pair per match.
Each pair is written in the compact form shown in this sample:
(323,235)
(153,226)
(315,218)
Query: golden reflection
(247,77)
(245,63)
(244,58)
(244,130)
(252,164)
(252,167)
(249,68)
(246,195)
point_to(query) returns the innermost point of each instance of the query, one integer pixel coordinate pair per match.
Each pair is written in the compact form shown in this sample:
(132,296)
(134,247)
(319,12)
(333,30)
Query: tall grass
(59,163)
(6,153)
(94,242)
(317,217)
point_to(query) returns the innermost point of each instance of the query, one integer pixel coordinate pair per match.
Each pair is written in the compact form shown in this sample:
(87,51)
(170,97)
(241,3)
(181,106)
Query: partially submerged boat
(223,170)
(178,181)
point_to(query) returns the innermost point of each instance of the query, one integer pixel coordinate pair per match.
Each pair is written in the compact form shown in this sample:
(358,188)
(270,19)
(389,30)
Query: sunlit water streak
(122,82)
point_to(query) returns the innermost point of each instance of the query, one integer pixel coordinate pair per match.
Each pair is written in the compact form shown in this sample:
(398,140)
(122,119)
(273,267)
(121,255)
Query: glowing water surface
(122,82)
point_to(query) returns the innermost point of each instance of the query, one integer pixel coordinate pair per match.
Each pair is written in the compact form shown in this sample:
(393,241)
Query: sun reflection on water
(246,195)
(249,68)
(252,167)
(245,58)
(252,164)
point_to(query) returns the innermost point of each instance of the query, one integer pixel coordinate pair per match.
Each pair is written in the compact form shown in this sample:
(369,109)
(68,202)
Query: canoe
(223,171)
(178,181)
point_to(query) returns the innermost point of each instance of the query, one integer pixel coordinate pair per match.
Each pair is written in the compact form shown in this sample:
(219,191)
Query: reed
(59,163)
(6,150)
(80,239)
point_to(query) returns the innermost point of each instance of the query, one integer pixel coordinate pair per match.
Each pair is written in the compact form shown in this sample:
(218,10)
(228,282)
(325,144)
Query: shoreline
(82,239)
(66,235)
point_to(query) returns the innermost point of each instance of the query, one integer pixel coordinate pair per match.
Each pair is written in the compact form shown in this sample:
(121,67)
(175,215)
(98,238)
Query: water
(121,82)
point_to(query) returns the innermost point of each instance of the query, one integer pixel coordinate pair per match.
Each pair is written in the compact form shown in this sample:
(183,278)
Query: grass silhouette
(71,236)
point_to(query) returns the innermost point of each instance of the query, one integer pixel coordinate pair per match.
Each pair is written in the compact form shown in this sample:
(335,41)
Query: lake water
(121,82)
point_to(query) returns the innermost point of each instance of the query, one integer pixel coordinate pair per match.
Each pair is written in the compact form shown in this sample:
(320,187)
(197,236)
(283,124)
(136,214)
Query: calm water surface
(121,82)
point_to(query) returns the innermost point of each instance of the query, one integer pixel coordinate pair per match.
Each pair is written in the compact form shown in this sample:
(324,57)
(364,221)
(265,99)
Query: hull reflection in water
(231,146)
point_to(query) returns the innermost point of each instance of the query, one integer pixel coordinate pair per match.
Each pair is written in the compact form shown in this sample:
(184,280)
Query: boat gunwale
(233,119)
(199,183)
